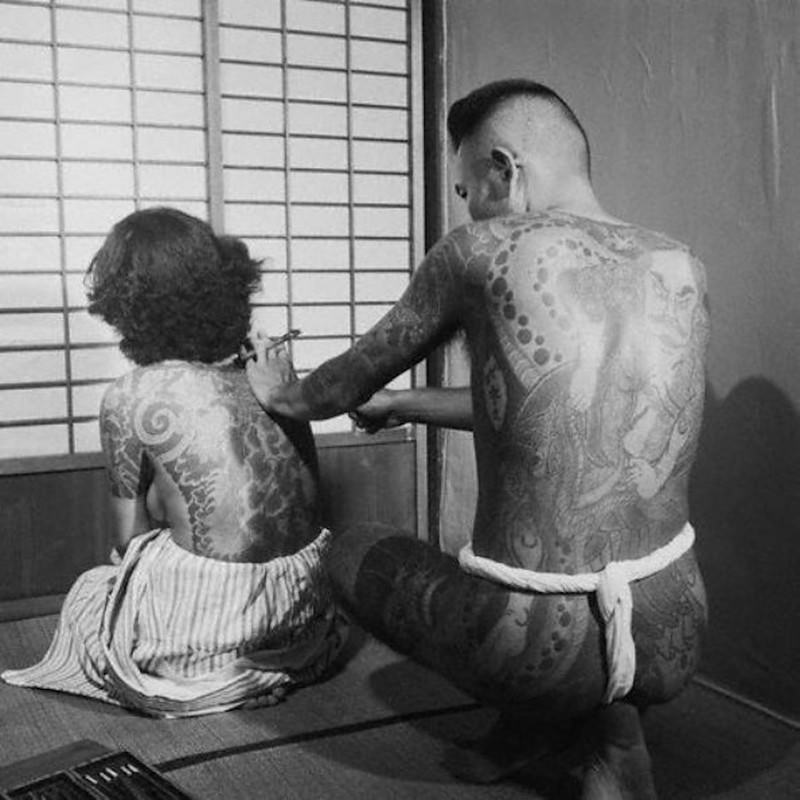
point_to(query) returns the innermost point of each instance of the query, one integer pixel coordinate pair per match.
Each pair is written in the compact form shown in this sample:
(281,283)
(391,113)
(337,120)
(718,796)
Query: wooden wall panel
(369,482)
(55,525)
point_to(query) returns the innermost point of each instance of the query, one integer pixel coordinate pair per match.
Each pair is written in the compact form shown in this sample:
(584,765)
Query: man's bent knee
(348,551)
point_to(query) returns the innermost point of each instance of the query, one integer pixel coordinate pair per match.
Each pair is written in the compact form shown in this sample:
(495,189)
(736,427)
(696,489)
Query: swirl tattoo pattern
(235,486)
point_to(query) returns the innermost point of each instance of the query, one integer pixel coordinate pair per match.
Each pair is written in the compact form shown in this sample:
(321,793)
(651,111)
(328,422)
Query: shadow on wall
(745,502)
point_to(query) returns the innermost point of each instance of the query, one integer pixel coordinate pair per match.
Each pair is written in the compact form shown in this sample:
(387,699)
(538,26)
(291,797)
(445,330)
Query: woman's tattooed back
(233,483)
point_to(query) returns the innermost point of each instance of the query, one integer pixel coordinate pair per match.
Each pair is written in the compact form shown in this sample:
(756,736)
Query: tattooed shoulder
(144,412)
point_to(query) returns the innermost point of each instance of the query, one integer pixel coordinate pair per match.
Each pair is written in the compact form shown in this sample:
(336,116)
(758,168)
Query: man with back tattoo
(217,598)
(578,601)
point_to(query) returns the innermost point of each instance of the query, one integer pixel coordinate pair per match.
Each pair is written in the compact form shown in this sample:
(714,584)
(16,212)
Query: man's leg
(621,768)
(420,602)
(417,600)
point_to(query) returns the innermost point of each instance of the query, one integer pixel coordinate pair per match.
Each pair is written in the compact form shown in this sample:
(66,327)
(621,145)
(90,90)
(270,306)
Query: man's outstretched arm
(446,407)
(427,313)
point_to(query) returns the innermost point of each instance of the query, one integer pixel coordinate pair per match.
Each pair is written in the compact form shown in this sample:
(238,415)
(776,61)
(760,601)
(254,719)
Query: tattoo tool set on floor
(86,771)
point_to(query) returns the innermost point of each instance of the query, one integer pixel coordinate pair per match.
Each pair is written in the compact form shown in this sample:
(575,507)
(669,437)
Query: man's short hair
(172,288)
(469,113)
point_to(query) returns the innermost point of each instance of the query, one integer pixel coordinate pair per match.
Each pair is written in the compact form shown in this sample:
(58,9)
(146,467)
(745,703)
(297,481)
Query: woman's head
(172,288)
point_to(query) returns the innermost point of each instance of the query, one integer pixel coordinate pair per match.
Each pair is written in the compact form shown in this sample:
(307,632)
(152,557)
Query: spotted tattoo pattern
(234,485)
(597,341)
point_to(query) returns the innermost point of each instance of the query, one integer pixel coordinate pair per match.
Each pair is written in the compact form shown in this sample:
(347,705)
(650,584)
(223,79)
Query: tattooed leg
(420,602)
(392,582)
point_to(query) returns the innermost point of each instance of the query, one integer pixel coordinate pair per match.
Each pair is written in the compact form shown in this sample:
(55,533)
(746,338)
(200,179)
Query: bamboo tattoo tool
(247,351)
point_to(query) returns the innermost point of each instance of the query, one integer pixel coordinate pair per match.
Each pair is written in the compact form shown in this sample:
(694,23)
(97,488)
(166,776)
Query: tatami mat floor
(377,729)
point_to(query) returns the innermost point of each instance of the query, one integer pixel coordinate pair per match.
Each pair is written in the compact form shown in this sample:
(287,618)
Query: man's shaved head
(530,115)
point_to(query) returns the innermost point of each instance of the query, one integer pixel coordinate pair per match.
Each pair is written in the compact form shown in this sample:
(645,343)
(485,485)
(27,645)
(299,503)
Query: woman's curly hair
(172,288)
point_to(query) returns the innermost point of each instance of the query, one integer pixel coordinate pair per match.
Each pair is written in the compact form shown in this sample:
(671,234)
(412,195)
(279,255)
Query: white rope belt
(612,585)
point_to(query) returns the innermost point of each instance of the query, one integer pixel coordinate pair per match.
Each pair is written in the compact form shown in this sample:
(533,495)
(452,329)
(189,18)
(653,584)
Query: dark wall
(693,111)
(54,525)
(745,504)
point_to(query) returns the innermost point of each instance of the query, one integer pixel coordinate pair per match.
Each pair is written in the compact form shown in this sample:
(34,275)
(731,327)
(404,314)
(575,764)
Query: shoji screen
(315,147)
(101,111)
(285,122)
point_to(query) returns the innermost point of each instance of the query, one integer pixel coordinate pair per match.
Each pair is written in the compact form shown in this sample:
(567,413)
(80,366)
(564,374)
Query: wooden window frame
(215,203)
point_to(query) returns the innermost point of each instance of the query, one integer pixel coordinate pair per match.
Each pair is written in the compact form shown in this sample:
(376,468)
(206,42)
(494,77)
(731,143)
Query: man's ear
(504,161)
(511,177)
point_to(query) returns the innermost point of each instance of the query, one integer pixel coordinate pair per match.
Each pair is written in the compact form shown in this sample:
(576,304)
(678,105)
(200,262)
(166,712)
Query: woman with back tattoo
(215,597)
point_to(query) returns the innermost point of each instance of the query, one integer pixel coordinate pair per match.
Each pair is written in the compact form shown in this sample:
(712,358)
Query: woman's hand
(269,369)
(377,413)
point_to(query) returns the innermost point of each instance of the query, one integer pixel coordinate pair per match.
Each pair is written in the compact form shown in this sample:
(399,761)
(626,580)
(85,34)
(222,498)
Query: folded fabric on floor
(172,634)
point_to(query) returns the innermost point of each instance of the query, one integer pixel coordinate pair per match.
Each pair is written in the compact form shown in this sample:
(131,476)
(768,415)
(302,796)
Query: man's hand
(269,369)
(377,413)
(388,408)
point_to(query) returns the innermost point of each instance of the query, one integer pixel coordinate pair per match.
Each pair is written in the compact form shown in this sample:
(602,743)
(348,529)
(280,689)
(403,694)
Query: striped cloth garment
(173,634)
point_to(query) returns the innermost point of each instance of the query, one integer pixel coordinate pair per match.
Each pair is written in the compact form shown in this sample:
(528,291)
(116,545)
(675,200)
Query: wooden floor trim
(712,686)
(299,738)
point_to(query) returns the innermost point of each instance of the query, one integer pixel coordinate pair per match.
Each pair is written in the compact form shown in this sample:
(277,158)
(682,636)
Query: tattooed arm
(128,470)
(428,312)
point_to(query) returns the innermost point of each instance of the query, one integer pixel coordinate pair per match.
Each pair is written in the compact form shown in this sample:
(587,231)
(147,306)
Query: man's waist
(614,599)
(576,580)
